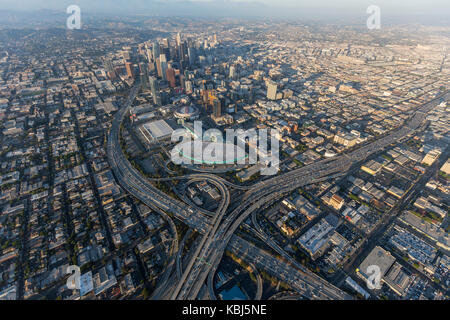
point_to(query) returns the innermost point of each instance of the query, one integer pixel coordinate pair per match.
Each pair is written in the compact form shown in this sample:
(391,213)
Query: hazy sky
(238,7)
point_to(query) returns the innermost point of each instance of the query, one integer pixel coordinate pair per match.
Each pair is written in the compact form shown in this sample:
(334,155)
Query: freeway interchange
(218,231)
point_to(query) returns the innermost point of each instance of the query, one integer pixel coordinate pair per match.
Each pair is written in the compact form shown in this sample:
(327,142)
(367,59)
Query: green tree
(145,293)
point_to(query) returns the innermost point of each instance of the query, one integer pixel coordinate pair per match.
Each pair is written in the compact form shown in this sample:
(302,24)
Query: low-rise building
(315,240)
(378,258)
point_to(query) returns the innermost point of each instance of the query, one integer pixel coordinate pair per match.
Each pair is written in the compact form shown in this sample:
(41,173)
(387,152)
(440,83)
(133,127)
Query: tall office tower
(149,56)
(154,85)
(158,67)
(167,51)
(188,85)
(192,56)
(272,91)
(232,72)
(208,97)
(163,66)
(170,75)
(173,53)
(182,82)
(156,51)
(217,108)
(143,69)
(129,68)
(178,39)
(151,66)
(182,53)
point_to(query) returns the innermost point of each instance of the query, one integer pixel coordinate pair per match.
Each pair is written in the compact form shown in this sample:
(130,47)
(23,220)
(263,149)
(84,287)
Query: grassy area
(444,175)
(428,217)
(357,199)
(301,148)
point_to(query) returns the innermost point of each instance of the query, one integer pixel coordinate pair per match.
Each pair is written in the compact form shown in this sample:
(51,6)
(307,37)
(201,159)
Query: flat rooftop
(158,129)
(378,257)
(433,231)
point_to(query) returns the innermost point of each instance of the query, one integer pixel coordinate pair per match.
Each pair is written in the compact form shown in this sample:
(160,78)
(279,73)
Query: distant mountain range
(48,12)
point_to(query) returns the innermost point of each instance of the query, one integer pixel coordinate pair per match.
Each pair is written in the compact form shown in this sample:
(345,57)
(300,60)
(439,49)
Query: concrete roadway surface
(297,178)
(310,287)
(132,181)
(207,253)
(191,273)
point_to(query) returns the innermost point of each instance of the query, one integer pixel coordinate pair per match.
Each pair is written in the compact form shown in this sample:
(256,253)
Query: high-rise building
(149,56)
(170,75)
(158,67)
(168,52)
(151,66)
(129,68)
(178,39)
(182,52)
(182,82)
(192,55)
(232,72)
(154,85)
(156,51)
(143,69)
(272,91)
(163,66)
(217,108)
(188,85)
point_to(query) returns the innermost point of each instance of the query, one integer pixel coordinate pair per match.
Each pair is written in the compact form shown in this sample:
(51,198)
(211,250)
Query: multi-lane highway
(219,230)
(272,189)
(188,280)
(305,283)
(128,177)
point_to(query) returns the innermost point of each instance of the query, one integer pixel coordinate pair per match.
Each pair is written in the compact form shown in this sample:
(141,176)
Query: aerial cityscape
(158,157)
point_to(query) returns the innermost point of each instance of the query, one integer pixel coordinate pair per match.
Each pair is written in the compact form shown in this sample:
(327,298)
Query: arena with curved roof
(187,113)
(211,153)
